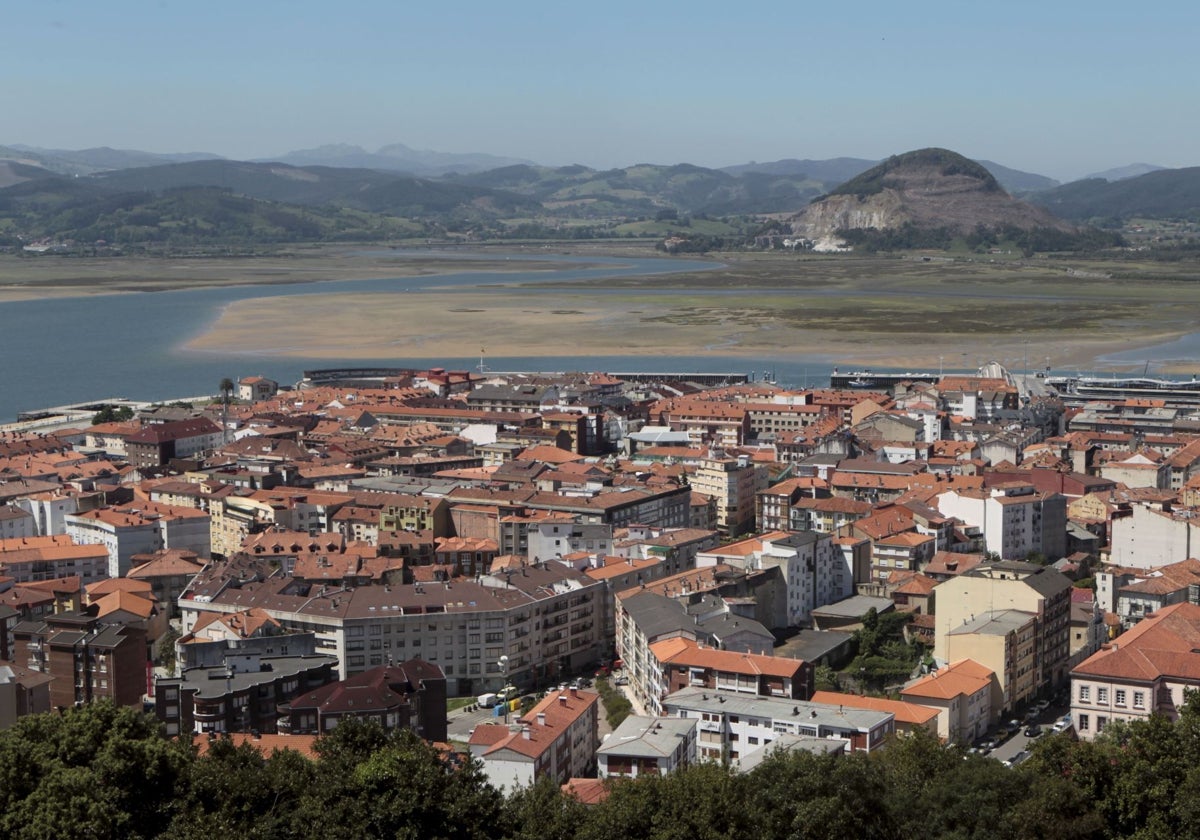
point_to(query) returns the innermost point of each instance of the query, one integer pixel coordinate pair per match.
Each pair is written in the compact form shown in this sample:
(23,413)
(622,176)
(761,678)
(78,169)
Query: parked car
(622,680)
(1016,759)
(1013,726)
(1033,731)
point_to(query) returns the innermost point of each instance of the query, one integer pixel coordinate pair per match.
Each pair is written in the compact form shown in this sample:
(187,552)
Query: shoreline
(859,313)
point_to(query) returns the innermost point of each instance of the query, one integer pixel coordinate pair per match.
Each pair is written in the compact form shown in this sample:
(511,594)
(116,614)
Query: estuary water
(77,349)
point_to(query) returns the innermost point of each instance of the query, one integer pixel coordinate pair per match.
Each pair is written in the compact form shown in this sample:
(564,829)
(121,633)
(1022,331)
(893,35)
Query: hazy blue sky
(1057,87)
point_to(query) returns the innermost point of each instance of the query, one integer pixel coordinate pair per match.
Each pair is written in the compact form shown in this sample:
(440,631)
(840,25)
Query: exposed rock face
(929,188)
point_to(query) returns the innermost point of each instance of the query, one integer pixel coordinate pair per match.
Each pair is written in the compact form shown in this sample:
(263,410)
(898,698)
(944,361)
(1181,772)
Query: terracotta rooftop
(963,677)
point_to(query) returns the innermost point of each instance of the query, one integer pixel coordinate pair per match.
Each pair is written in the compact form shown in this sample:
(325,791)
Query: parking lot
(462,722)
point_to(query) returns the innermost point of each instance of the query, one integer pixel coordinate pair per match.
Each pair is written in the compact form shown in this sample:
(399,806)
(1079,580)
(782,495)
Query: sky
(1058,87)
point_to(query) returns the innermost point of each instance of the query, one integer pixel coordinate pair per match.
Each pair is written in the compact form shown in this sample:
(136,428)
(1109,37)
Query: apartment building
(1015,519)
(410,695)
(734,483)
(142,528)
(1007,607)
(814,568)
(731,725)
(647,746)
(966,695)
(241,695)
(679,663)
(31,559)
(86,659)
(525,625)
(156,444)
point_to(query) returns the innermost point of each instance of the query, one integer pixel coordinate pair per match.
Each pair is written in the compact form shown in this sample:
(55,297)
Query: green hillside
(360,189)
(184,216)
(1163,194)
(642,189)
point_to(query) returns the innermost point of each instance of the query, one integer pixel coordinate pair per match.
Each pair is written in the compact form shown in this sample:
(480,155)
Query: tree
(97,771)
(111,414)
(234,791)
(164,651)
(405,789)
(543,812)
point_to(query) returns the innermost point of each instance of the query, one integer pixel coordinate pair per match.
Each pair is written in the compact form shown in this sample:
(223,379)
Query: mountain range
(114,194)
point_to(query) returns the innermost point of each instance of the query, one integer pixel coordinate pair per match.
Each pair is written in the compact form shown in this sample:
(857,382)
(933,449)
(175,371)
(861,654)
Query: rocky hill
(928,189)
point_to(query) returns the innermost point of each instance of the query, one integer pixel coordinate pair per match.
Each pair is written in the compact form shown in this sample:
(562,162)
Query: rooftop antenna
(482,366)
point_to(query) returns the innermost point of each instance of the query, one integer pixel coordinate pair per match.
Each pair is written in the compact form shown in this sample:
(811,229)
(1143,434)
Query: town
(743,566)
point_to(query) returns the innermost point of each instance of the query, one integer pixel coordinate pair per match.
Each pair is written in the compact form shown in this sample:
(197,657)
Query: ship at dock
(1126,388)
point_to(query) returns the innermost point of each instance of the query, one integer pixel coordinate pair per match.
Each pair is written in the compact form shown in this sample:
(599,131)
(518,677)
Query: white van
(488,700)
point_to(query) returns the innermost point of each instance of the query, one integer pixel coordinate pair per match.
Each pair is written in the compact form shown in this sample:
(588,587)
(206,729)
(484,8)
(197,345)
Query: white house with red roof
(556,738)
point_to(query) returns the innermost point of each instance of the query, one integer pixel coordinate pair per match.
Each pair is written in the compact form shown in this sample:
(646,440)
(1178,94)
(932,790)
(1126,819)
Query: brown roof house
(411,695)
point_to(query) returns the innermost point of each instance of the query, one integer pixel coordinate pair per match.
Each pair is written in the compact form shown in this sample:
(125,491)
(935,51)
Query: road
(1019,742)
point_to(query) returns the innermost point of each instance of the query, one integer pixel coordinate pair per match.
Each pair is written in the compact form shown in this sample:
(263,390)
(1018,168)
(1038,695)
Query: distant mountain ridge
(928,190)
(1162,194)
(1120,173)
(89,161)
(839,170)
(396,157)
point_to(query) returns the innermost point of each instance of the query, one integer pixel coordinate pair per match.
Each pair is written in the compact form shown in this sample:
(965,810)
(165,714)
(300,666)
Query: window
(1120,696)
(1085,694)
(1084,723)
(1139,699)
(1101,697)
(1100,722)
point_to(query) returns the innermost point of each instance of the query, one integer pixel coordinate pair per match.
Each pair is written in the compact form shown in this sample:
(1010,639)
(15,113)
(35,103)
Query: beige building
(1004,641)
(1144,672)
(734,483)
(983,599)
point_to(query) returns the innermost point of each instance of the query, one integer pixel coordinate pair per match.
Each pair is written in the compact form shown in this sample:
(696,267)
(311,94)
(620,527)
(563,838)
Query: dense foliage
(909,237)
(616,705)
(878,178)
(106,772)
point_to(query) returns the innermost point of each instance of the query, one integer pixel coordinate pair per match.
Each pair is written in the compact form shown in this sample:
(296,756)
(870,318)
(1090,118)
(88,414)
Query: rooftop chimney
(526,733)
(541,718)
(562,699)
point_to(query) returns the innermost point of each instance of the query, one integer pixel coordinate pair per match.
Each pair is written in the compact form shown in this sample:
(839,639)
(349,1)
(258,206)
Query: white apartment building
(1015,520)
(732,725)
(816,569)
